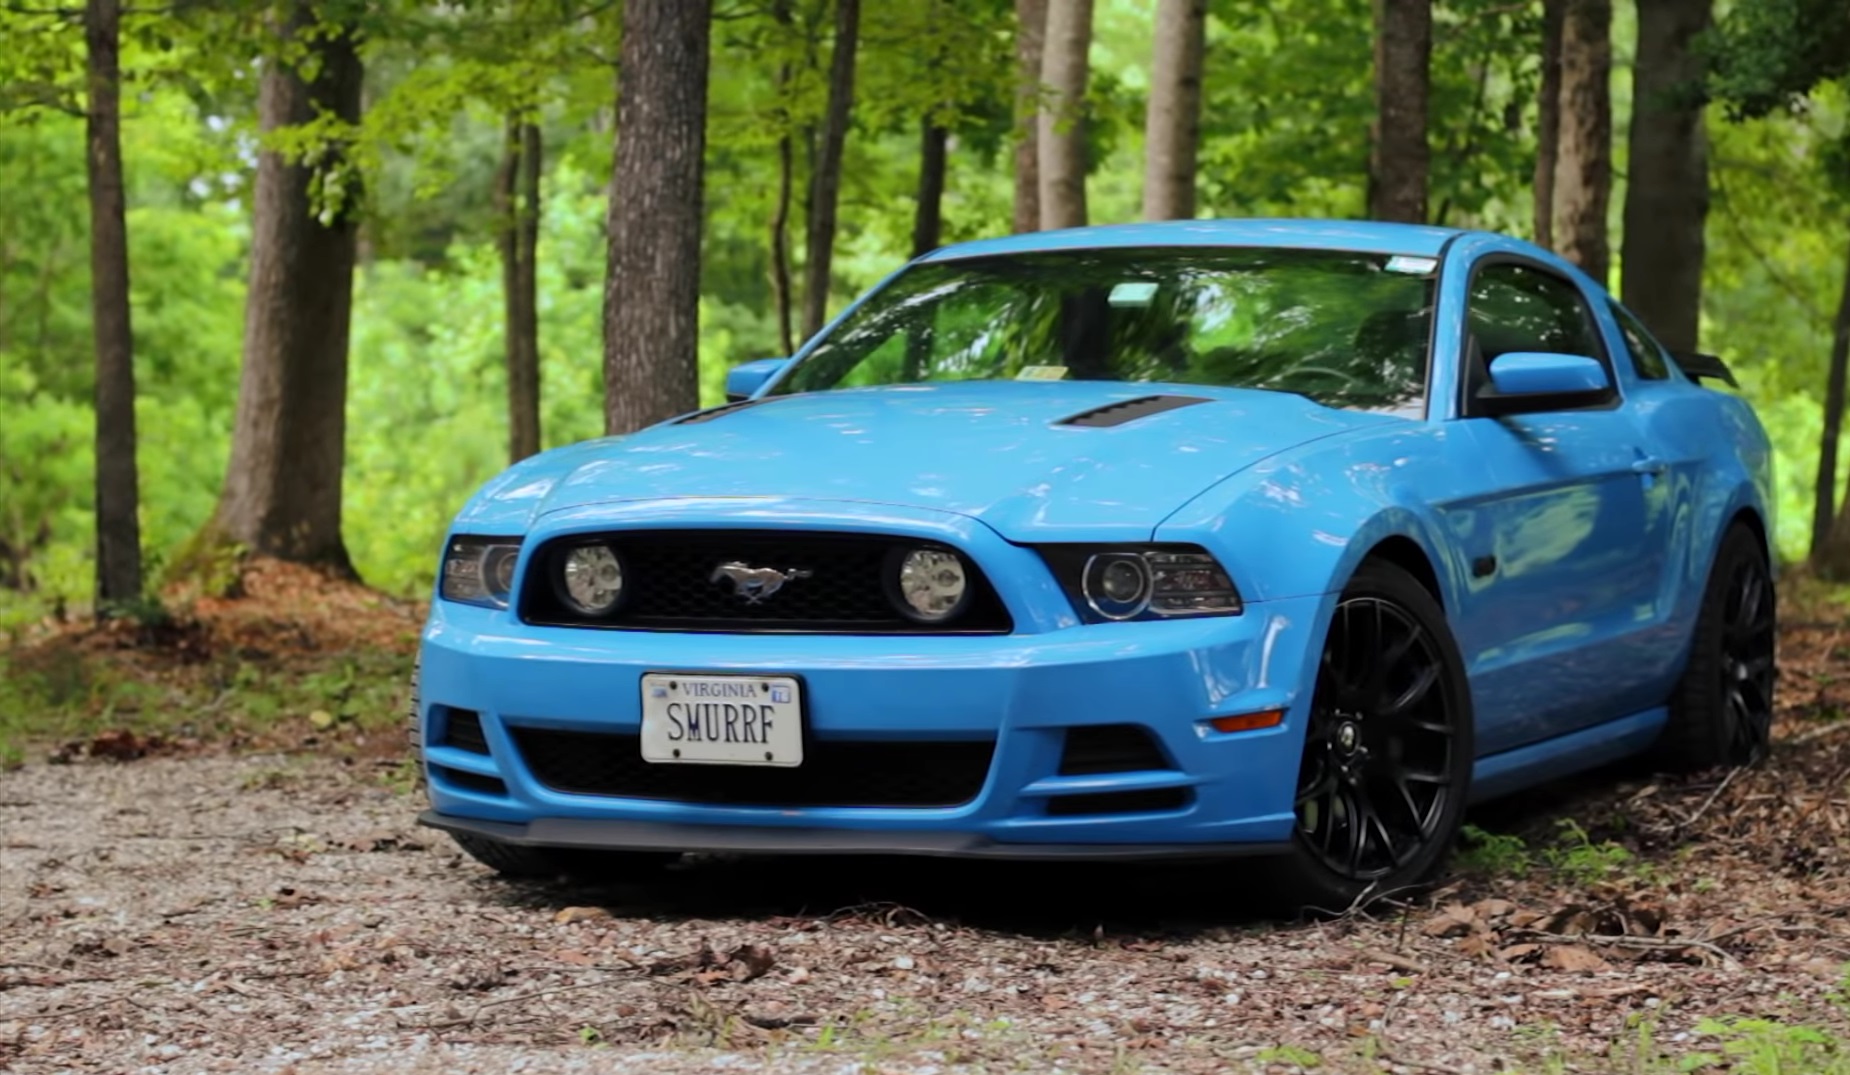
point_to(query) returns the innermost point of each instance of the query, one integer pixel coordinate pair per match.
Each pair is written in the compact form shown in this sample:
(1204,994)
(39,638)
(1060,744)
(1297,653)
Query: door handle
(1650,466)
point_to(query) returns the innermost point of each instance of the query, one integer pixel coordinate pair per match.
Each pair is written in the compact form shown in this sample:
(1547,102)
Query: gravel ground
(284,914)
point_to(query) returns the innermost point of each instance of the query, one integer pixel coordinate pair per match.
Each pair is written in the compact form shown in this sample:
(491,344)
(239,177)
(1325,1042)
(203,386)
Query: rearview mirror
(747,378)
(1526,382)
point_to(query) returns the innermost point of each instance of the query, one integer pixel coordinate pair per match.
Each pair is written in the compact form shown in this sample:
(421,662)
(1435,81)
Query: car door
(1563,526)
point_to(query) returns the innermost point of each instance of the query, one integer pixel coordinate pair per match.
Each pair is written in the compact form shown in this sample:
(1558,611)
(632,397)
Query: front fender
(1301,523)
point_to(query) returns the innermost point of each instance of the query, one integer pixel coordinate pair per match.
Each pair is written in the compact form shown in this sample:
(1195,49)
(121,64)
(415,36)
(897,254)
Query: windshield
(1344,329)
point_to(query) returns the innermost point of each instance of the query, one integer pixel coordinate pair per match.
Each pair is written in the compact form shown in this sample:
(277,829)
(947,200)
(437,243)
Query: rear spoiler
(1696,366)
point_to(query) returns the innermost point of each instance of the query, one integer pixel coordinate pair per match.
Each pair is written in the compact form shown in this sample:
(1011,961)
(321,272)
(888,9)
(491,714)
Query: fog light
(591,579)
(933,585)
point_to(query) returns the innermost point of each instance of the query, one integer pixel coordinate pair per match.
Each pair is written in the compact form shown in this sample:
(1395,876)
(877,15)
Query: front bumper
(943,744)
(1212,793)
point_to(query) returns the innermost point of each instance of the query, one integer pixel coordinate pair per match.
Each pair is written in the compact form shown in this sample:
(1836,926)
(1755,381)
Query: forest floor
(238,885)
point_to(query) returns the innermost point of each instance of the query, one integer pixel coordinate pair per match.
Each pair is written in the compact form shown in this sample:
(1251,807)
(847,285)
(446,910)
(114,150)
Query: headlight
(480,570)
(933,584)
(591,579)
(1143,582)
(1117,585)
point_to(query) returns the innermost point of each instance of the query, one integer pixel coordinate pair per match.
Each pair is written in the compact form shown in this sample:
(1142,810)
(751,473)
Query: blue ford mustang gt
(1274,538)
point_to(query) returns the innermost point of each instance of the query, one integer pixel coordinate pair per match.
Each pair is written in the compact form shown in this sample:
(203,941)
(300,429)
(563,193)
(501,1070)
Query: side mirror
(1526,382)
(745,379)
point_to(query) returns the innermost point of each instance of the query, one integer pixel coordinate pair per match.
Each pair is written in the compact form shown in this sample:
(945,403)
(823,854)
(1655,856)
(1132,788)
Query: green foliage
(1770,54)
(1579,861)
(1493,854)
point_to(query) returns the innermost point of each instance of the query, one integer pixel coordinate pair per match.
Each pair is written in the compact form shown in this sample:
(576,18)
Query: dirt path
(271,914)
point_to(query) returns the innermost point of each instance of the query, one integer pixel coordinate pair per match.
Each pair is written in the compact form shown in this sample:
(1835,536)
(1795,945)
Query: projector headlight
(1143,582)
(479,570)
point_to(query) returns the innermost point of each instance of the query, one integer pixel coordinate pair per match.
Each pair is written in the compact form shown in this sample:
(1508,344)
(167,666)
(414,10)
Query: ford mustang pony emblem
(755,583)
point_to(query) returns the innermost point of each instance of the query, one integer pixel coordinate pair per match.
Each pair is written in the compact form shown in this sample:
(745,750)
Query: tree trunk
(518,202)
(825,178)
(928,221)
(1172,125)
(1548,123)
(1062,133)
(1400,157)
(1583,166)
(1030,36)
(282,492)
(118,531)
(1830,545)
(1667,179)
(652,289)
(780,213)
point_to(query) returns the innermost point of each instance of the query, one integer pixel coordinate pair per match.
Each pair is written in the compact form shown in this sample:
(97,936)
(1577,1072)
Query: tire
(1388,750)
(517,862)
(1721,711)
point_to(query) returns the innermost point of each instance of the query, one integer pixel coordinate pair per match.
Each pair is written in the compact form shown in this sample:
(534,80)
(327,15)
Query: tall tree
(1548,122)
(1065,71)
(1583,165)
(1667,180)
(825,178)
(282,494)
(928,220)
(517,192)
(1833,555)
(118,530)
(786,176)
(652,289)
(1030,37)
(1400,158)
(1172,124)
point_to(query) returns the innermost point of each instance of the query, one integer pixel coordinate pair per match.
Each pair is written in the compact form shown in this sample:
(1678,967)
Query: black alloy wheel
(1721,712)
(1388,749)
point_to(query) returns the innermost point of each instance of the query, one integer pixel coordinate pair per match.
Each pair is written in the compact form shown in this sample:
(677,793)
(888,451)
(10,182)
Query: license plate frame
(768,714)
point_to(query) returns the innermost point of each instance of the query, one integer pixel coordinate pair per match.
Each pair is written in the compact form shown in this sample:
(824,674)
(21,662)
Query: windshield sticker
(1133,293)
(1041,373)
(1416,266)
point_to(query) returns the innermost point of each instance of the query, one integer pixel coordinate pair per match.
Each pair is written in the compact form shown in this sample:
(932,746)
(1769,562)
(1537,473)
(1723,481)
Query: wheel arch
(1408,555)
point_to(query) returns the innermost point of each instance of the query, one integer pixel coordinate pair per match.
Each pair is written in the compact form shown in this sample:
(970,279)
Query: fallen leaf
(751,961)
(322,719)
(1572,957)
(568,915)
(1517,951)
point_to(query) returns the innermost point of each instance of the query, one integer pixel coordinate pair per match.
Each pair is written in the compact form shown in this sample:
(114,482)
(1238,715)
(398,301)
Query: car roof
(1415,240)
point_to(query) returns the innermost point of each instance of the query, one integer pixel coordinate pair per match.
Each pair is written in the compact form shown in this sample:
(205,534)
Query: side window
(1647,354)
(1519,308)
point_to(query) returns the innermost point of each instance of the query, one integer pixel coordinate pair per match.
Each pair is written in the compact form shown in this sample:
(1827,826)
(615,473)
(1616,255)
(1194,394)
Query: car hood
(1010,454)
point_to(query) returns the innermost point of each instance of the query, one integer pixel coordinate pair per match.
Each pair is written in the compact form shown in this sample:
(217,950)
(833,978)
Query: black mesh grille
(462,729)
(671,584)
(1151,801)
(832,774)
(1110,748)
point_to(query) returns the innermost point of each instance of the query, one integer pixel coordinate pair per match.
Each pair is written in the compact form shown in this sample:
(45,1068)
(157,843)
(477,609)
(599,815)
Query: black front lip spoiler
(586,834)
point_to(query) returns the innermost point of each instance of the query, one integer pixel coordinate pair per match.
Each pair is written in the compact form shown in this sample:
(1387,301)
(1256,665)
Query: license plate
(722,720)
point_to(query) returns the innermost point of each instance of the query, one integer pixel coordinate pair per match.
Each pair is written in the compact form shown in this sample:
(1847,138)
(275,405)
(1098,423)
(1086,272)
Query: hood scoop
(1129,410)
